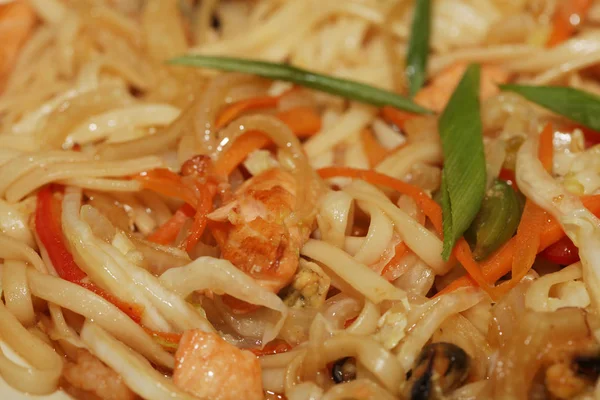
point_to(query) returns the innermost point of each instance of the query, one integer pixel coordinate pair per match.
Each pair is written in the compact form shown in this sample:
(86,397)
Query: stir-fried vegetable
(463,176)
(496,221)
(500,263)
(48,228)
(429,207)
(574,104)
(341,87)
(418,47)
(563,252)
(530,228)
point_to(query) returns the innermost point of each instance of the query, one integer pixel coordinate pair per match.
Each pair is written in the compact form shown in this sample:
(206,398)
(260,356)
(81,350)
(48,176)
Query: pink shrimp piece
(210,368)
(253,231)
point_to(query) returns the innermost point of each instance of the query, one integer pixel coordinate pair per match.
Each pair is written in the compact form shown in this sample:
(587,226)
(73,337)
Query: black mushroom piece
(344,370)
(439,369)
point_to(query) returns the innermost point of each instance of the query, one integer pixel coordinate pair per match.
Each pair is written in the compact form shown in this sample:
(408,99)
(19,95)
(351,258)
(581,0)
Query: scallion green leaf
(463,176)
(574,104)
(341,87)
(418,46)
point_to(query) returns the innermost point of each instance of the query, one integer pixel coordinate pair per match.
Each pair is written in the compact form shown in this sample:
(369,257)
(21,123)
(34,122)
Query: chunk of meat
(436,95)
(91,378)
(210,368)
(254,231)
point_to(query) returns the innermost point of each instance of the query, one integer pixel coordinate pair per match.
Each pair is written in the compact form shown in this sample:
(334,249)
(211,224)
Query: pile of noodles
(90,103)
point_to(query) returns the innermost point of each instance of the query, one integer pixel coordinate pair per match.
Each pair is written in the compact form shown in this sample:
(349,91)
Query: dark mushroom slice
(344,370)
(439,369)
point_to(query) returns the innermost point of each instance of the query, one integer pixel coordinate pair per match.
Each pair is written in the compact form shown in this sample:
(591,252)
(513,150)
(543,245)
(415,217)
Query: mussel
(439,369)
(344,370)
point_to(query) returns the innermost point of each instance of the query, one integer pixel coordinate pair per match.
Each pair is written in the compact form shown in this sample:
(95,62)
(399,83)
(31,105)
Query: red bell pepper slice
(49,230)
(563,252)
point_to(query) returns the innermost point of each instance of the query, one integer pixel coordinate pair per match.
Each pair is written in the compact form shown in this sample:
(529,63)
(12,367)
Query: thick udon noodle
(90,103)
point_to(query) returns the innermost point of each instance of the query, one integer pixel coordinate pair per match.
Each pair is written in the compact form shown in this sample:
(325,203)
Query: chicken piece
(436,95)
(254,231)
(308,288)
(210,368)
(89,375)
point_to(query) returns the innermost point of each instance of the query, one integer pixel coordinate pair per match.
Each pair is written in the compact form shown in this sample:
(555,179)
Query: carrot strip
(168,231)
(546,148)
(205,206)
(303,121)
(167,336)
(374,151)
(463,254)
(395,116)
(132,310)
(168,184)
(500,263)
(236,109)
(431,209)
(239,150)
(568,16)
(274,347)
(400,251)
(527,242)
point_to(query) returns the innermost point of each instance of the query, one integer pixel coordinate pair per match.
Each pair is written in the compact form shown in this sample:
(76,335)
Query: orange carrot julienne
(205,206)
(527,243)
(400,251)
(303,121)
(395,116)
(168,231)
(274,347)
(568,16)
(239,150)
(463,254)
(431,209)
(546,147)
(374,151)
(168,184)
(236,109)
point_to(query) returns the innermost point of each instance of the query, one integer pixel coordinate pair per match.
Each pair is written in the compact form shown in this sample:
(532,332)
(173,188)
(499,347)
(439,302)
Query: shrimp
(17,21)
(253,231)
(436,95)
(88,375)
(210,368)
